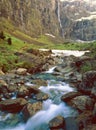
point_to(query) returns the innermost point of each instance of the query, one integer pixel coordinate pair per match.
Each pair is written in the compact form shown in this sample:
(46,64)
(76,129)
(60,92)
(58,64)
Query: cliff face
(74,19)
(78,19)
(33,17)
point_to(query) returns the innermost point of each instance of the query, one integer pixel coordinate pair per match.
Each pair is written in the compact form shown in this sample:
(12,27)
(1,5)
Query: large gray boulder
(82,103)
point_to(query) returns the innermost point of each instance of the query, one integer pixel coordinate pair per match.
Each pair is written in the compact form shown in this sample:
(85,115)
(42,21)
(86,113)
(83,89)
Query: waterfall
(59,18)
(58,12)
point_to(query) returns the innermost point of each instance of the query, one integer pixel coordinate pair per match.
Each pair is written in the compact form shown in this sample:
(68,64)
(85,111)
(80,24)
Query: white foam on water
(51,70)
(60,88)
(66,52)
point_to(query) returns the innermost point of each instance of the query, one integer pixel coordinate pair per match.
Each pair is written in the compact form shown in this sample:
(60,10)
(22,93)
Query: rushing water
(51,107)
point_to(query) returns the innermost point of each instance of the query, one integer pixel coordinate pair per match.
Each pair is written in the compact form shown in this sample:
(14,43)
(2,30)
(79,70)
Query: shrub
(2,35)
(9,41)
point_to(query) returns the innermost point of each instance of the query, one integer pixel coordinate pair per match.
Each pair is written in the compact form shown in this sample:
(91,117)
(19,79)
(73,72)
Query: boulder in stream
(67,97)
(88,82)
(31,109)
(13,105)
(57,123)
(41,96)
(82,103)
(3,87)
(21,71)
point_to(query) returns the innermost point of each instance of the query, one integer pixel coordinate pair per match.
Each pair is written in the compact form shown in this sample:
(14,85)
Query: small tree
(9,41)
(2,35)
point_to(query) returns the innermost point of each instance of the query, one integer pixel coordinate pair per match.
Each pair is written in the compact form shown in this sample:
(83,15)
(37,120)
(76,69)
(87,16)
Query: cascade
(59,18)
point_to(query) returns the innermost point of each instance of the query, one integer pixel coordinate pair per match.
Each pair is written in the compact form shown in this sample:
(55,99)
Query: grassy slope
(21,42)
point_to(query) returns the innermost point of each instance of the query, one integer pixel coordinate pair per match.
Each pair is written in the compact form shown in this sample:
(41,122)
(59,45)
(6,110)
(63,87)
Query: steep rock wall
(34,17)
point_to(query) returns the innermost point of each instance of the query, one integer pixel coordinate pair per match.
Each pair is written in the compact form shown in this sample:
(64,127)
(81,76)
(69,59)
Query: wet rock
(39,82)
(31,109)
(21,71)
(81,60)
(57,123)
(22,92)
(3,83)
(33,90)
(41,96)
(13,105)
(82,103)
(3,87)
(67,97)
(94,114)
(93,92)
(7,96)
(90,127)
(58,69)
(88,82)
(84,119)
(12,88)
(8,118)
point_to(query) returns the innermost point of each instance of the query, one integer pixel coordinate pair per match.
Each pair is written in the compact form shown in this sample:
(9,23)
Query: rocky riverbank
(20,93)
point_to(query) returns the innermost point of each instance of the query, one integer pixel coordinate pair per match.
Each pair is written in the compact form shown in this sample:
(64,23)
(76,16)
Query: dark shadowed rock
(81,60)
(3,87)
(13,105)
(71,123)
(88,82)
(84,119)
(90,127)
(93,92)
(33,89)
(67,97)
(57,123)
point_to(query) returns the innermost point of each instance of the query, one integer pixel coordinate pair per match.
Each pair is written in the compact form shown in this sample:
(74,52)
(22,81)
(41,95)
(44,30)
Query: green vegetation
(11,42)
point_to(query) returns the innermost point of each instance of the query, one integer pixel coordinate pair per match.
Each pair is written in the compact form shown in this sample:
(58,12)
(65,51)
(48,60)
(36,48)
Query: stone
(88,82)
(57,123)
(33,89)
(31,109)
(3,87)
(13,105)
(84,119)
(39,82)
(82,103)
(90,127)
(1,72)
(67,97)
(41,96)
(81,60)
(93,92)
(21,71)
(3,83)
(22,92)
(94,114)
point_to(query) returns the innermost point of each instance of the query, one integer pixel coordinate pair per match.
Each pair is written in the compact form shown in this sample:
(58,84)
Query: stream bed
(52,107)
